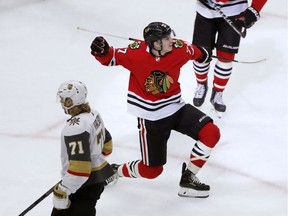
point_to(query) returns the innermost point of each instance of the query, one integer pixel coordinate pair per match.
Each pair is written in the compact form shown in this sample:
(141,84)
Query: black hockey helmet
(156,31)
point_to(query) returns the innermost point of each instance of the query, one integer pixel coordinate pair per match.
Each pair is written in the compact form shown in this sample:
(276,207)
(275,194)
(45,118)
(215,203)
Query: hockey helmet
(156,31)
(75,90)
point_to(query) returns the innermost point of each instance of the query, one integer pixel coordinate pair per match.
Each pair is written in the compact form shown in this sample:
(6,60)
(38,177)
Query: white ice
(40,47)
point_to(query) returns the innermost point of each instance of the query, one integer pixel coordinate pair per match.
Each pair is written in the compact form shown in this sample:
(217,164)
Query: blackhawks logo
(158,82)
(178,44)
(135,45)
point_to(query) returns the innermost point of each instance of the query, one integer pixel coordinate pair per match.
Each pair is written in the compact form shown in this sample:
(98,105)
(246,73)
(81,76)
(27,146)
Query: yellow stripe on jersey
(107,148)
(80,167)
(100,167)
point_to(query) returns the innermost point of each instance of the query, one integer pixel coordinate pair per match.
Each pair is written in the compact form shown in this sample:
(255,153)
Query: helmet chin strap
(66,109)
(161,45)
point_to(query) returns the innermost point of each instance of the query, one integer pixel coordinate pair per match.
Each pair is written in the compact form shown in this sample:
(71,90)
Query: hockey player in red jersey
(84,142)
(154,97)
(212,31)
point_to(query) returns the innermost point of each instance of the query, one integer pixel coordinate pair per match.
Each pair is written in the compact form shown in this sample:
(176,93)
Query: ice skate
(114,178)
(218,106)
(200,94)
(190,186)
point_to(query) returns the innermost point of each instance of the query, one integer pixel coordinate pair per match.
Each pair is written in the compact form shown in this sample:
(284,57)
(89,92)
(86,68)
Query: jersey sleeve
(121,56)
(191,51)
(106,60)
(108,145)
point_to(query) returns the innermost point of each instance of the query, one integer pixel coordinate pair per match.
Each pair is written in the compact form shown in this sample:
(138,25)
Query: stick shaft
(107,34)
(227,19)
(244,62)
(38,201)
(133,39)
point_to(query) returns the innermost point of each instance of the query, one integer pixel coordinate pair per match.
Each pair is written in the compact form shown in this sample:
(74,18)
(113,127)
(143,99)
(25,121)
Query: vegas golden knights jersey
(82,142)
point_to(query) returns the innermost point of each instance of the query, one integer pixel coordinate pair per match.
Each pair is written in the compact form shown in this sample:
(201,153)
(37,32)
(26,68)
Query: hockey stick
(244,62)
(38,200)
(106,34)
(133,39)
(242,33)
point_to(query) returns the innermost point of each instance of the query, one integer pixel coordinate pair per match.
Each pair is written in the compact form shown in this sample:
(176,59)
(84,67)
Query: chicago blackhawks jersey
(82,141)
(154,91)
(229,7)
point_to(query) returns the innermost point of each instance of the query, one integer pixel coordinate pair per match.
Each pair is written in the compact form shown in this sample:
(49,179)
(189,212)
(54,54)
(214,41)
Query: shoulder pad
(178,44)
(135,45)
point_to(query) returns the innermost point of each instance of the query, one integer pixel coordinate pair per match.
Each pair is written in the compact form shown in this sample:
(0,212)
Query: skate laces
(218,98)
(200,90)
(194,179)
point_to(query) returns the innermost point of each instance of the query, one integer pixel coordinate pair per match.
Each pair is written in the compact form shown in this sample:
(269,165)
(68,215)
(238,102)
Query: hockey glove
(99,47)
(247,18)
(60,197)
(206,55)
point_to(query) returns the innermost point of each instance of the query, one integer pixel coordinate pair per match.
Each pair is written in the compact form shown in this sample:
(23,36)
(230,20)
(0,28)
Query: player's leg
(203,35)
(227,46)
(153,136)
(200,127)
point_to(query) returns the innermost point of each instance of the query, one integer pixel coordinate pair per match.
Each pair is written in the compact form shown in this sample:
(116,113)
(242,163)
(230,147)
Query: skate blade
(188,192)
(217,113)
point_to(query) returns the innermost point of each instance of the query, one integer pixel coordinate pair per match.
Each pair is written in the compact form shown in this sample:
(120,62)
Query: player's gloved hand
(247,18)
(206,55)
(60,197)
(99,47)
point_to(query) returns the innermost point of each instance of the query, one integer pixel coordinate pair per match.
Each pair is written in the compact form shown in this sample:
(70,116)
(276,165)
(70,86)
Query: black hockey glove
(247,18)
(99,47)
(206,55)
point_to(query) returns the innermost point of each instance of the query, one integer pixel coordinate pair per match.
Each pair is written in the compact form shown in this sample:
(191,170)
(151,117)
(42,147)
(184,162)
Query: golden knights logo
(158,82)
(74,121)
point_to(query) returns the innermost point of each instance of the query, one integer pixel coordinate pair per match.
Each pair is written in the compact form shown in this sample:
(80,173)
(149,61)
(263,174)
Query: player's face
(66,103)
(167,44)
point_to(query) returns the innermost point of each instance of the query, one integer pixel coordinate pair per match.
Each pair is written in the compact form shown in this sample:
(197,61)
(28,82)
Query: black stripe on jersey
(164,103)
(100,175)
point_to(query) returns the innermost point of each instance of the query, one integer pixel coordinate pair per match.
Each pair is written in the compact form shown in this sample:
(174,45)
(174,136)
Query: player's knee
(150,172)
(209,134)
(225,55)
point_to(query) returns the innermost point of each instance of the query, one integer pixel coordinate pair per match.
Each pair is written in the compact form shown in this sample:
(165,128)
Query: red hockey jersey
(154,91)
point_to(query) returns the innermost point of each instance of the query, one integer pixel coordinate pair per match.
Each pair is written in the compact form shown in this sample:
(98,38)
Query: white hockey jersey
(230,8)
(82,141)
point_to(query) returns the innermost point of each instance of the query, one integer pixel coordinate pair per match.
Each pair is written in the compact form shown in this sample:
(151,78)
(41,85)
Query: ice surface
(40,47)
